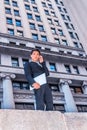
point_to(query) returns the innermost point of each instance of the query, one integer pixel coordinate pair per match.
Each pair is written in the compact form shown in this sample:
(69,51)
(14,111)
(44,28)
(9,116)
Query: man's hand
(41,59)
(36,85)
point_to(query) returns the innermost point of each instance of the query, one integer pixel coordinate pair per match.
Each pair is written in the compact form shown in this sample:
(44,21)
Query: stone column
(8,99)
(85,87)
(70,105)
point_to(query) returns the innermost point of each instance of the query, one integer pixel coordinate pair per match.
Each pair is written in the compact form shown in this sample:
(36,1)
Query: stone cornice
(40,42)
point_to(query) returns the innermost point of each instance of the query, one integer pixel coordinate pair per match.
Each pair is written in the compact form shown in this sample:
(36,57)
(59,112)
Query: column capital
(7,75)
(84,83)
(65,81)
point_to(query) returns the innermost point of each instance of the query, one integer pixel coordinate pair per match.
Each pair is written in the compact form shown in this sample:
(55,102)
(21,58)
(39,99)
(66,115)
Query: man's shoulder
(26,64)
(30,63)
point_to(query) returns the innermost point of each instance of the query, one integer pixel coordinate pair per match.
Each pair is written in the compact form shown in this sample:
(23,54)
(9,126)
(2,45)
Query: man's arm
(41,60)
(45,68)
(29,77)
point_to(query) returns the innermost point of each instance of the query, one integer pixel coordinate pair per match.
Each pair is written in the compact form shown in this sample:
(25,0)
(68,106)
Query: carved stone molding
(65,81)
(7,75)
(84,83)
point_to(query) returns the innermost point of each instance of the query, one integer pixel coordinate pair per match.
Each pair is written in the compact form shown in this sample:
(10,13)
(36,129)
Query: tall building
(43,24)
(77,10)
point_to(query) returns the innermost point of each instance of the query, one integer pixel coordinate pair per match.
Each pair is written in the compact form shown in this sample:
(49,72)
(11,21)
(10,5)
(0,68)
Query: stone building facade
(43,24)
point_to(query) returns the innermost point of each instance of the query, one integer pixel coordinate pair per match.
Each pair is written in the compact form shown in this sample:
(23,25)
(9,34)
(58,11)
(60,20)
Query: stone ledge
(40,120)
(76,121)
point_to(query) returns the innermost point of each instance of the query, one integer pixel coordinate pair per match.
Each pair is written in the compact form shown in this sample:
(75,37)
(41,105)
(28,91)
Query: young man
(36,73)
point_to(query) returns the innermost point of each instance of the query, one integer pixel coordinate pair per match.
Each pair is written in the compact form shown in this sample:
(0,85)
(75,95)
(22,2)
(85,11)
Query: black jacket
(32,70)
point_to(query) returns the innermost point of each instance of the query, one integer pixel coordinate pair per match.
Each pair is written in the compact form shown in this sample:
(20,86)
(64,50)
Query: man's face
(35,56)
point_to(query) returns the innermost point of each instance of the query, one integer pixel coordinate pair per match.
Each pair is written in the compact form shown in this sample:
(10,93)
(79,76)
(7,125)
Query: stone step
(41,120)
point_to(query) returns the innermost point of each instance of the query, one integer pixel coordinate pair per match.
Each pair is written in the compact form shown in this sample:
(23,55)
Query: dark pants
(43,98)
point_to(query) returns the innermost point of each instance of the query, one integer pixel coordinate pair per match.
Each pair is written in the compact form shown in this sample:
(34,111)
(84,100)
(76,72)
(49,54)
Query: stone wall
(39,120)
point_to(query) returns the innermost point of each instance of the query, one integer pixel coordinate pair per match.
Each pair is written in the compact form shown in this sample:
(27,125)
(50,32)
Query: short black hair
(35,50)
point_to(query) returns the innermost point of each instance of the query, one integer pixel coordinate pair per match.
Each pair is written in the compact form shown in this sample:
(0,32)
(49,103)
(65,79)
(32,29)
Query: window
(64,42)
(22,45)
(20,33)
(65,10)
(67,25)
(59,107)
(26,0)
(15,62)
(53,13)
(37,18)
(72,27)
(20,85)
(57,22)
(32,1)
(61,3)
(35,9)
(47,49)
(6,2)
(9,21)
(16,13)
(76,44)
(10,31)
(72,35)
(57,2)
(61,52)
(82,108)
(67,67)
(35,36)
(32,26)
(57,41)
(24,86)
(18,23)
(53,30)
(50,6)
(14,3)
(52,67)
(41,28)
(63,16)
(81,55)
(7,10)
(29,16)
(77,36)
(68,18)
(60,9)
(24,61)
(60,32)
(81,46)
(22,106)
(68,52)
(76,71)
(54,88)
(44,38)
(27,7)
(38,47)
(12,43)
(43,4)
(76,89)
(46,12)
(50,21)
(16,85)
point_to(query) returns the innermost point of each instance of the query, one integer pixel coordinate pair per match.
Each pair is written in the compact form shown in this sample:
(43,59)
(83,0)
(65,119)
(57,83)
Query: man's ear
(30,56)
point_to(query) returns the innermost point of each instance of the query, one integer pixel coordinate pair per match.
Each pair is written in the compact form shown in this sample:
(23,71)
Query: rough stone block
(41,120)
(31,120)
(76,121)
